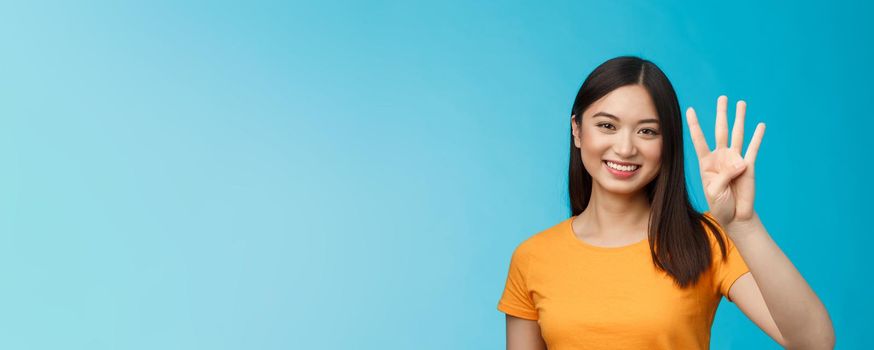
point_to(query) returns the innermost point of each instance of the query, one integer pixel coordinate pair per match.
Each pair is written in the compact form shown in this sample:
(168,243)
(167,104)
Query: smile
(621,171)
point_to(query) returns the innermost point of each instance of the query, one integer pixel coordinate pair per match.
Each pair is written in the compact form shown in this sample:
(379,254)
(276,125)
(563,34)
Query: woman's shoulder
(545,238)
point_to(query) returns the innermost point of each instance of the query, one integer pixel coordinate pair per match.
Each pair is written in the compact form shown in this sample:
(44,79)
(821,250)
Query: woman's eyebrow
(608,115)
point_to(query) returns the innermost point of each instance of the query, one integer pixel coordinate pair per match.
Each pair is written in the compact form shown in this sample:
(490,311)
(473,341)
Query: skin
(618,209)
(784,306)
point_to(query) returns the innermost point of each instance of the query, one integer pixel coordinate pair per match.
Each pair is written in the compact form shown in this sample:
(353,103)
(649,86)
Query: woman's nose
(624,147)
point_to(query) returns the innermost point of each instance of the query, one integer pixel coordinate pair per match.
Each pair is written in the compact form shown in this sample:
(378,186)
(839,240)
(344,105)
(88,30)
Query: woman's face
(623,127)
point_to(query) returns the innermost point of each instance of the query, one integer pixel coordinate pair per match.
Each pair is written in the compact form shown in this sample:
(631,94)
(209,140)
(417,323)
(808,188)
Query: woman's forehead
(626,104)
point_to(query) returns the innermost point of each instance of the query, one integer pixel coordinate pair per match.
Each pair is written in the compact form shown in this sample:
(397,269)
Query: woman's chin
(623,187)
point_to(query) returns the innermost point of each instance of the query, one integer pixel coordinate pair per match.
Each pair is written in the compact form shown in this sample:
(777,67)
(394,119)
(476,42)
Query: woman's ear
(575,131)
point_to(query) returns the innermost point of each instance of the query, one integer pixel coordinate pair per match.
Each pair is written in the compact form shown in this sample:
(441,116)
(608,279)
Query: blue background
(355,175)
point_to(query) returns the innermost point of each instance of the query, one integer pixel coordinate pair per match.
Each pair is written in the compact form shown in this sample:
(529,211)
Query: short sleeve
(516,299)
(726,272)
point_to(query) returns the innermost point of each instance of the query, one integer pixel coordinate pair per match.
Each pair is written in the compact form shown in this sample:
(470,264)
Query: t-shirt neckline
(569,232)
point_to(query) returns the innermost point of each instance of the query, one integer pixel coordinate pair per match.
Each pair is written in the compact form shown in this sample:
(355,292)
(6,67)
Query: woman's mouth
(621,171)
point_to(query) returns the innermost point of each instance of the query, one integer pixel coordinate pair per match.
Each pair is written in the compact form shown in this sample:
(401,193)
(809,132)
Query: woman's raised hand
(727,177)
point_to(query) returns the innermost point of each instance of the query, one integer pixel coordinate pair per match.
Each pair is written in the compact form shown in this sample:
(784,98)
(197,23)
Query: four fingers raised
(737,131)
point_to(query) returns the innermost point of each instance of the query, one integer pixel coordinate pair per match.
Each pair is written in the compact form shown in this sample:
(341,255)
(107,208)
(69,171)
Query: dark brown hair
(678,241)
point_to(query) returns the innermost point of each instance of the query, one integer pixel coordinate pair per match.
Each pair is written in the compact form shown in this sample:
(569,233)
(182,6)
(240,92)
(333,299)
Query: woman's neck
(611,216)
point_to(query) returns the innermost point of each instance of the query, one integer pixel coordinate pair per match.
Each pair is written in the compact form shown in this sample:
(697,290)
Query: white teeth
(623,167)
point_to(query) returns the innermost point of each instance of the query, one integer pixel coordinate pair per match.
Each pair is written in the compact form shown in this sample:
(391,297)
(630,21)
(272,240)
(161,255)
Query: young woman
(635,266)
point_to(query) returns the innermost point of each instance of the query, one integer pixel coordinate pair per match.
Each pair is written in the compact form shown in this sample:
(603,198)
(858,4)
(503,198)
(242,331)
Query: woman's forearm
(799,314)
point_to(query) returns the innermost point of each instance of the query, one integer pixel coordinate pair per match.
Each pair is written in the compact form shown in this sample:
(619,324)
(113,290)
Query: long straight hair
(677,239)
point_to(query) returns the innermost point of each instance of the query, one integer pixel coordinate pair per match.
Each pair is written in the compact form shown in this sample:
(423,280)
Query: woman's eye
(610,126)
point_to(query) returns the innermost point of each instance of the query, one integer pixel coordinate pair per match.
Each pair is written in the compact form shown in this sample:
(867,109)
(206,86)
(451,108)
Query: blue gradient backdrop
(355,175)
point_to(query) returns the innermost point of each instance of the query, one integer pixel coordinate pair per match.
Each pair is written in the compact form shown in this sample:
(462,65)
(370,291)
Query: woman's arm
(798,313)
(728,181)
(523,334)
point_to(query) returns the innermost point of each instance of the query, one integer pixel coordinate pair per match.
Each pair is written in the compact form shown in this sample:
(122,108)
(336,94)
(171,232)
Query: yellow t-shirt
(589,297)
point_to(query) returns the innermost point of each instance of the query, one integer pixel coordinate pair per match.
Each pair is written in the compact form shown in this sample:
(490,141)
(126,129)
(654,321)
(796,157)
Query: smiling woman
(636,266)
(627,147)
